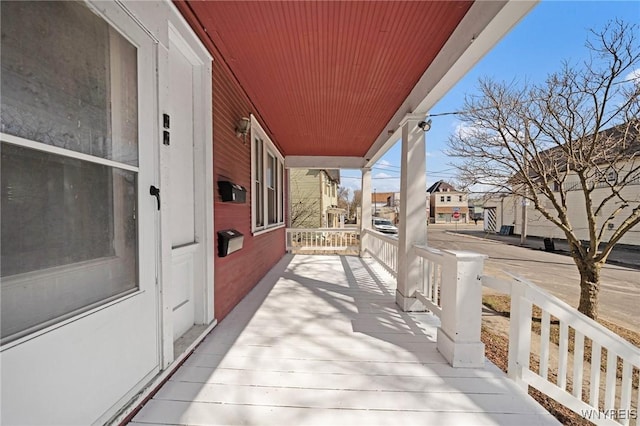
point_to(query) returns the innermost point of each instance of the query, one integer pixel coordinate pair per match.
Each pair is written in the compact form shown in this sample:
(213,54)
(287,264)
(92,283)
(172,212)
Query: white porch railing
(604,394)
(450,286)
(431,266)
(329,240)
(383,248)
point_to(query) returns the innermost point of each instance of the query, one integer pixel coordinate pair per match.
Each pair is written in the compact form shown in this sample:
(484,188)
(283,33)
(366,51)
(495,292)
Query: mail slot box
(229,241)
(232,192)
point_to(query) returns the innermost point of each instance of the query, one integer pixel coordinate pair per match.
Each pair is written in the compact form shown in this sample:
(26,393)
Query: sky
(554,31)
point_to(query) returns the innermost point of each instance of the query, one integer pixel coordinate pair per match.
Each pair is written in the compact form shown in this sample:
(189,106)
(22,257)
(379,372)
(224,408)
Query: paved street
(619,296)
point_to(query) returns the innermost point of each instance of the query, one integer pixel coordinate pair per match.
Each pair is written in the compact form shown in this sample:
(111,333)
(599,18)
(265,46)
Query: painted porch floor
(321,341)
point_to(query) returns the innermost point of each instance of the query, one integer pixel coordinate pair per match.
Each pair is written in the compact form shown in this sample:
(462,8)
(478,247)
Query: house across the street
(447,204)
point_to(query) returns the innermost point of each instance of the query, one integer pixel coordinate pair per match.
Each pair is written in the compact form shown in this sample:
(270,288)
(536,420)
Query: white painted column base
(409,304)
(461,301)
(460,354)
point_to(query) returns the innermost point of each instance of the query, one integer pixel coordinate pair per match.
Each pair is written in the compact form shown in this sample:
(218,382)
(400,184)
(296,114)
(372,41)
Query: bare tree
(356,201)
(577,133)
(304,207)
(343,197)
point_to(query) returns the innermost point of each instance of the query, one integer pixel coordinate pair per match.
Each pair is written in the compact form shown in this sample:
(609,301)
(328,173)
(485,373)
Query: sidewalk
(624,255)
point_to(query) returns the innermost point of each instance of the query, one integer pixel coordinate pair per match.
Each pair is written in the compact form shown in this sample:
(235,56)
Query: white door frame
(181,35)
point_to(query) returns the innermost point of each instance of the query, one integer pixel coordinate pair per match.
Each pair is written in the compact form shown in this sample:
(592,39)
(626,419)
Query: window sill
(268,229)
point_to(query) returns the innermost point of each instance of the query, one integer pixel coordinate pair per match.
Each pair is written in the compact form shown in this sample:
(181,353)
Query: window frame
(261,210)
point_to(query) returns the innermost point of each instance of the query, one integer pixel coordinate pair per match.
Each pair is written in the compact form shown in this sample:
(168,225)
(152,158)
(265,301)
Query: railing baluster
(610,386)
(428,281)
(578,363)
(637,412)
(544,345)
(563,354)
(519,334)
(431,266)
(625,393)
(438,287)
(594,381)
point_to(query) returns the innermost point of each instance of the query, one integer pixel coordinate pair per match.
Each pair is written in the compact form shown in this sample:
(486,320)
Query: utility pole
(523,231)
(375,200)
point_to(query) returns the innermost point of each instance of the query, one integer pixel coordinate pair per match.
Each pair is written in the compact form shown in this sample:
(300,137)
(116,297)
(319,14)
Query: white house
(621,177)
(447,204)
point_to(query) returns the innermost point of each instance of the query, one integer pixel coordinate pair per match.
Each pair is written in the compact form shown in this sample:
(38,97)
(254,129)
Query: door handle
(156,193)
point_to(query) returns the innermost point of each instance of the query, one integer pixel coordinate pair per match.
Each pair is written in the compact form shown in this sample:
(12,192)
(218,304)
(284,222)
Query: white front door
(79,226)
(184,202)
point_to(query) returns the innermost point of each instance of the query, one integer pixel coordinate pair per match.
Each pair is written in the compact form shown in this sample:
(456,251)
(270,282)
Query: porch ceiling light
(425,125)
(242,128)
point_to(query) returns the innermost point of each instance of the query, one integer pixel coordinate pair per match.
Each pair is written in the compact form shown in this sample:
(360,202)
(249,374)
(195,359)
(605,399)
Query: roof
(617,143)
(441,186)
(614,143)
(334,175)
(335,78)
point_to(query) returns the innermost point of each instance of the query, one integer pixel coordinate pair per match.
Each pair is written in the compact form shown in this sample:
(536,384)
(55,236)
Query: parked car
(384,225)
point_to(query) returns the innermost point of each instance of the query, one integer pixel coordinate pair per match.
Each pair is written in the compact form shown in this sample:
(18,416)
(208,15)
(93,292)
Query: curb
(561,252)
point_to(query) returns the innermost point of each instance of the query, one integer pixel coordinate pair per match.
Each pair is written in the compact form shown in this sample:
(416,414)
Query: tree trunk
(589,287)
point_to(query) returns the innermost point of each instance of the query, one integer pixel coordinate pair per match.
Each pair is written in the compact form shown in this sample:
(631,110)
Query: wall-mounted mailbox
(229,241)
(232,192)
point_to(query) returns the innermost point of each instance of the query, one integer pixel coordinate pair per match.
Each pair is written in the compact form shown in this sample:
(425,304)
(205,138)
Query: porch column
(412,226)
(365,208)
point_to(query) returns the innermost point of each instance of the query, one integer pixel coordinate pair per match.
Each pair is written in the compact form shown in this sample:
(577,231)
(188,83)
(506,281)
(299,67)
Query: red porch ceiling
(326,77)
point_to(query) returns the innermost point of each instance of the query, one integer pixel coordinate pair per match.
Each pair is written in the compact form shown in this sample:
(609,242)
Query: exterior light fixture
(425,125)
(243,127)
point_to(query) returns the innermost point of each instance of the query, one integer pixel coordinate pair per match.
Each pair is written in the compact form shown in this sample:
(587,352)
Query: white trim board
(319,162)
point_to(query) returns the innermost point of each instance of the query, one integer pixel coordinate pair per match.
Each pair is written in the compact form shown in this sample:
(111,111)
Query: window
(258,189)
(268,176)
(459,197)
(442,199)
(448,198)
(272,189)
(69,164)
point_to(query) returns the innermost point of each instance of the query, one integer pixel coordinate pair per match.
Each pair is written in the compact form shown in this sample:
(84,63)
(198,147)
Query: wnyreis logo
(610,414)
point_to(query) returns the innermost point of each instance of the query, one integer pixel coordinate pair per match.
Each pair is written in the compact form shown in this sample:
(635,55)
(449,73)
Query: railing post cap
(462,255)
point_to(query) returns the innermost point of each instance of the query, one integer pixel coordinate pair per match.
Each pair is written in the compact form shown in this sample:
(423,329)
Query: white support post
(365,209)
(413,216)
(461,301)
